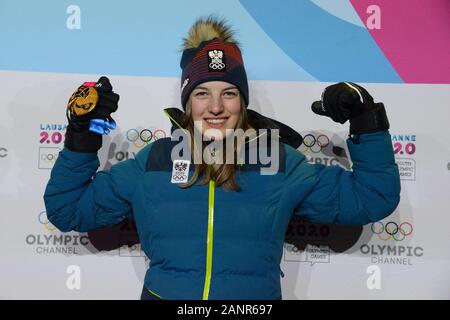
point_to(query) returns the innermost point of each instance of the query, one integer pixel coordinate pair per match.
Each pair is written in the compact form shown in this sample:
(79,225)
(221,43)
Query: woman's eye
(231,93)
(201,93)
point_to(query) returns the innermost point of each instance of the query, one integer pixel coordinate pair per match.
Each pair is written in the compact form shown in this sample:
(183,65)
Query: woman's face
(215,105)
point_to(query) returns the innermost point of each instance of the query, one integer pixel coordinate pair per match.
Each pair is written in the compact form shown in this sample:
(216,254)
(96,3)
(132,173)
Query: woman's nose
(216,105)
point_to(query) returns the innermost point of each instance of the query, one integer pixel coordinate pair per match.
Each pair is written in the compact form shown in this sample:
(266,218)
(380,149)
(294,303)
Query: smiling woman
(215,97)
(228,218)
(215,105)
(215,109)
(213,153)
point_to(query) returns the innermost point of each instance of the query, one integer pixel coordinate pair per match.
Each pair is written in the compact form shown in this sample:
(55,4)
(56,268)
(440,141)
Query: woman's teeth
(216,121)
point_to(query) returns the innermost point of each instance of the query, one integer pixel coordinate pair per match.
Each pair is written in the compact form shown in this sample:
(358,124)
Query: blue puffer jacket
(207,243)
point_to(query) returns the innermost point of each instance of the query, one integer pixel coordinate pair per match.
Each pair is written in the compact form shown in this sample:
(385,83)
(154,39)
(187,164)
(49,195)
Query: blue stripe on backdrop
(341,9)
(326,46)
(137,38)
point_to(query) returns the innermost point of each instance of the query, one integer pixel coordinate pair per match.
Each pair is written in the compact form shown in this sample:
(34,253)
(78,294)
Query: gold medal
(83,101)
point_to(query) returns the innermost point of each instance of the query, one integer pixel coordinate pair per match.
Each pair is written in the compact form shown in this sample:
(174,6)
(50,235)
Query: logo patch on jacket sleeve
(180,171)
(216,61)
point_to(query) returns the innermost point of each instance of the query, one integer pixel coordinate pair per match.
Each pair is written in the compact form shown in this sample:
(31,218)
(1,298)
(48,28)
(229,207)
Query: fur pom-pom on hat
(205,29)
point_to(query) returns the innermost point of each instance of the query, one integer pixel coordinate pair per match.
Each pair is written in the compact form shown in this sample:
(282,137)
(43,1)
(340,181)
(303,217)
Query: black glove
(348,101)
(87,103)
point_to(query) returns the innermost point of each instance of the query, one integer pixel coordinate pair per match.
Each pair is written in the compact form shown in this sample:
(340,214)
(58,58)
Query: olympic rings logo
(42,218)
(293,249)
(392,230)
(217,65)
(179,177)
(314,144)
(49,157)
(141,138)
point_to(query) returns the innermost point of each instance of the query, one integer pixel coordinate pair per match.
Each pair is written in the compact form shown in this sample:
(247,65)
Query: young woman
(212,220)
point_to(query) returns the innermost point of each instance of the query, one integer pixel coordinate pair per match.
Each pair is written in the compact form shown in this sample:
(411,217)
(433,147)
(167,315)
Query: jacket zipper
(209,241)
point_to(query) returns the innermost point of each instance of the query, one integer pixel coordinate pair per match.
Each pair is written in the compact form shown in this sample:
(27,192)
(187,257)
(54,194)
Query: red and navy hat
(213,60)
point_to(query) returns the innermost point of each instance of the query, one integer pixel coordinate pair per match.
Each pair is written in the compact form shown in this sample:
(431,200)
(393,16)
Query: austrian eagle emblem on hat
(216,60)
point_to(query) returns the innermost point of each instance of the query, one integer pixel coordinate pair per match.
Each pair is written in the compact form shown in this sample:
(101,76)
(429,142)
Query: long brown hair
(223,174)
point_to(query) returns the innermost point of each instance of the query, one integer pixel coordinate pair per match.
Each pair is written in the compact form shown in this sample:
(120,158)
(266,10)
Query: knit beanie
(210,53)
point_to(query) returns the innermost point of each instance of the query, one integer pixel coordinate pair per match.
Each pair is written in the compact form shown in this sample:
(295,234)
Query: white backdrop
(35,263)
